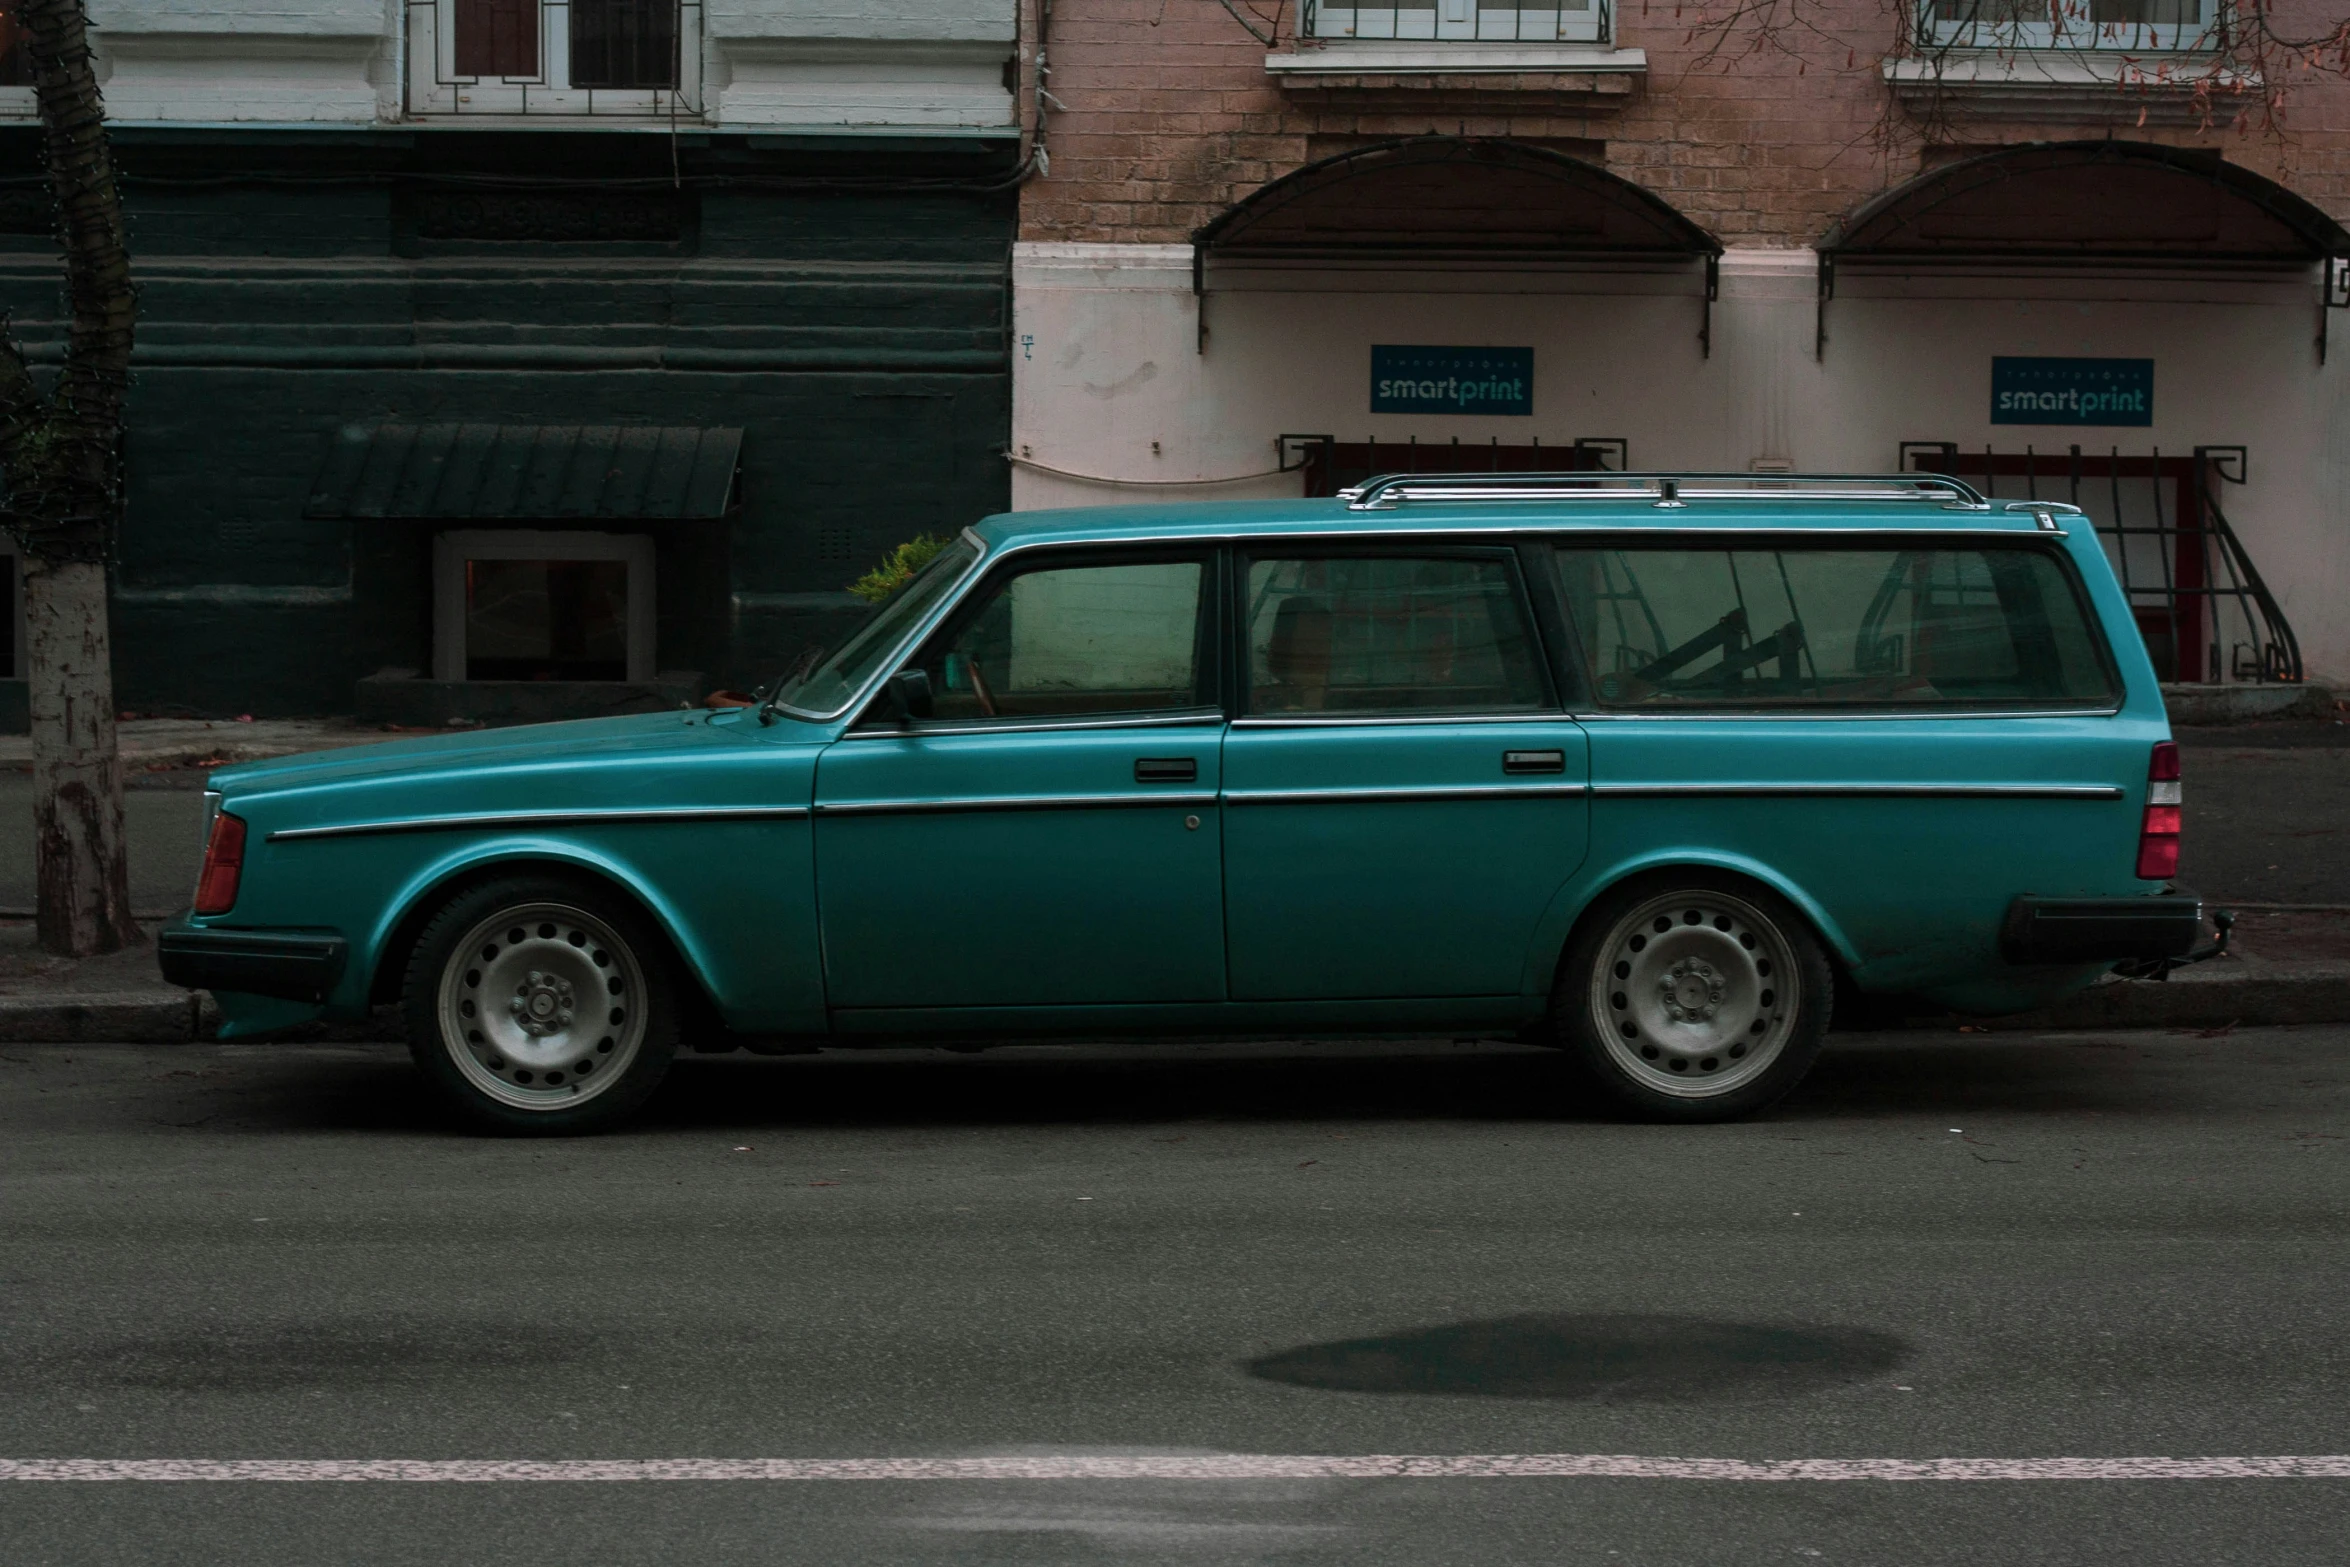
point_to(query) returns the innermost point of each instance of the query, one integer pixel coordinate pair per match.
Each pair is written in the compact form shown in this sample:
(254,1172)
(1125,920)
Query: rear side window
(1367,634)
(1836,627)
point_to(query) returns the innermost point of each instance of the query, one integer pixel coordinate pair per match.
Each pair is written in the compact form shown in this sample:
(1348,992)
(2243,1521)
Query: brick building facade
(1837,251)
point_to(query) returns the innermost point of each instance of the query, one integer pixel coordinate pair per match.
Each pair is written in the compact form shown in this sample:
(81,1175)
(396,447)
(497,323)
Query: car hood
(525,745)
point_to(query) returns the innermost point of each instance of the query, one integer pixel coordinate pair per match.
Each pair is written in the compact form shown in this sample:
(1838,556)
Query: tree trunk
(85,902)
(61,492)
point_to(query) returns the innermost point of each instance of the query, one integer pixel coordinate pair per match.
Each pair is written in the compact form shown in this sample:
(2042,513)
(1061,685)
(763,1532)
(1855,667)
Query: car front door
(1047,835)
(1404,797)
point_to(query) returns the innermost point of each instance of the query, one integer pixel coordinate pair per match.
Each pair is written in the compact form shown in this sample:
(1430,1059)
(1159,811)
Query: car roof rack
(1668,490)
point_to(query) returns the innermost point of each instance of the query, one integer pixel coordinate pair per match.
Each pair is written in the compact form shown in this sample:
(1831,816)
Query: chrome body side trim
(1841,715)
(1543,716)
(1435,792)
(1010,802)
(615,817)
(1865,790)
(1193,718)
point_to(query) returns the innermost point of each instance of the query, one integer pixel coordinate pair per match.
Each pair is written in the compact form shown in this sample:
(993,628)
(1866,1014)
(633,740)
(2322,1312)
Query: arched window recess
(1464,201)
(2091,206)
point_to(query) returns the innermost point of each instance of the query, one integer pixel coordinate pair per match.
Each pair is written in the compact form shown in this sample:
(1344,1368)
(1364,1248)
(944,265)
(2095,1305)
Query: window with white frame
(2169,25)
(529,604)
(1465,21)
(638,58)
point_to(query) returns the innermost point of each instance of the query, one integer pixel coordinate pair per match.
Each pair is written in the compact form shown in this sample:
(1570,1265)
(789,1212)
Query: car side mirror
(909,693)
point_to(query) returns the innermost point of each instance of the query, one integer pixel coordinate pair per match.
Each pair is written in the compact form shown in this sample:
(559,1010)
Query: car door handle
(1533,761)
(1166,769)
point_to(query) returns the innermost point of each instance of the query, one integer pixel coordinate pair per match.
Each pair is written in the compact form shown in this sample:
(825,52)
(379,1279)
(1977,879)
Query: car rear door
(1404,795)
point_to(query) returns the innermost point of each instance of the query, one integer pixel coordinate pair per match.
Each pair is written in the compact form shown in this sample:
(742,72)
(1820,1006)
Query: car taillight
(224,861)
(2158,836)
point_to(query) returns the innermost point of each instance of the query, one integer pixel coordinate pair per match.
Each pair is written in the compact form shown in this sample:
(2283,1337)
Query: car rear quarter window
(1362,634)
(1882,626)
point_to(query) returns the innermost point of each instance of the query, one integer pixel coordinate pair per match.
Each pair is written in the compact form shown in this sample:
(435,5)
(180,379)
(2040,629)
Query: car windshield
(831,680)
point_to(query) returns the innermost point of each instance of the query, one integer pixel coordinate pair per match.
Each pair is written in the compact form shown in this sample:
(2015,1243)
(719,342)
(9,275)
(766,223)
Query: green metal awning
(527,472)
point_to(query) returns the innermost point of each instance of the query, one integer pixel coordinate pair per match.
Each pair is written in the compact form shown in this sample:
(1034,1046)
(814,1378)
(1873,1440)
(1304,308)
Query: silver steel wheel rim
(1695,994)
(542,1007)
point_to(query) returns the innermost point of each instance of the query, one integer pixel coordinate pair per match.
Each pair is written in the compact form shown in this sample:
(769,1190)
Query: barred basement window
(531,604)
(571,57)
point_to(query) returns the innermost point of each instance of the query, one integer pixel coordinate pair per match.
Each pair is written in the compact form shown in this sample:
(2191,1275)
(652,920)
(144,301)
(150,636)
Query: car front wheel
(541,1004)
(1693,997)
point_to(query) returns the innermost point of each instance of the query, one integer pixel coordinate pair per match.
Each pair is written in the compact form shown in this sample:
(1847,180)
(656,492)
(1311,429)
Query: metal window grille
(638,58)
(2069,24)
(1467,21)
(2201,604)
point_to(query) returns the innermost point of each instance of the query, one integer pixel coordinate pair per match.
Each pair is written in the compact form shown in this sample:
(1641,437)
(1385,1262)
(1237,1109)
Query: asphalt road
(1949,1245)
(2268,820)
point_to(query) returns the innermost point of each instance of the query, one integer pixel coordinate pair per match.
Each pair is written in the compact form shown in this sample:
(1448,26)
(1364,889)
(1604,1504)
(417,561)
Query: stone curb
(2270,999)
(121,1017)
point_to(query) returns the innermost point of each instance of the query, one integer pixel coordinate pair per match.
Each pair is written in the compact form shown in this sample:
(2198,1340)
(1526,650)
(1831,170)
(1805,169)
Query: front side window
(1349,635)
(1068,641)
(1875,627)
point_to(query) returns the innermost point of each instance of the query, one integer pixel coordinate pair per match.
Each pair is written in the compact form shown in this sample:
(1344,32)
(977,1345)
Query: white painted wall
(269,61)
(1106,362)
(922,65)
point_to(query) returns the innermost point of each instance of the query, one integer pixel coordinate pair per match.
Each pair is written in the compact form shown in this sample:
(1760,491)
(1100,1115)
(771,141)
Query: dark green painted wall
(842,303)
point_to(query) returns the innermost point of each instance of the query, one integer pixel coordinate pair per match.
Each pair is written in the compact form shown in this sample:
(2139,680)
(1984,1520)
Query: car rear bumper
(295,965)
(2100,930)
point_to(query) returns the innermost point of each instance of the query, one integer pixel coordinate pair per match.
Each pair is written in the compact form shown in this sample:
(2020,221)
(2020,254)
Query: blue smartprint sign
(2072,391)
(1416,380)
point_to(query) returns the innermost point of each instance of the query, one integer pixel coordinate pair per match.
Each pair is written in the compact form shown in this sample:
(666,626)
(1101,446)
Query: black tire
(522,990)
(1687,1019)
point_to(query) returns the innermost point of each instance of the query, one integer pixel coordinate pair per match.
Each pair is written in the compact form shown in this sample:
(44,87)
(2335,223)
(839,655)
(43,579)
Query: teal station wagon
(1649,768)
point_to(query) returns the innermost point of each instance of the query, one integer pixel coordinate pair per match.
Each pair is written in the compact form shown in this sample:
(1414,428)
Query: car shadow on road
(1498,1083)
(373,1088)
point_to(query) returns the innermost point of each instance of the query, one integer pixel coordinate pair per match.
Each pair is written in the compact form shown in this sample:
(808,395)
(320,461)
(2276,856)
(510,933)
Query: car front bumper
(2101,930)
(293,965)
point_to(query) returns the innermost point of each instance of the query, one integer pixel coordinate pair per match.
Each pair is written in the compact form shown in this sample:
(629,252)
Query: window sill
(2068,85)
(1430,66)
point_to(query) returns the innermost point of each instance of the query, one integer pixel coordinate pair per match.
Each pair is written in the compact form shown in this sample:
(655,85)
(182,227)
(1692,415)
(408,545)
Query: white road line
(1234,1466)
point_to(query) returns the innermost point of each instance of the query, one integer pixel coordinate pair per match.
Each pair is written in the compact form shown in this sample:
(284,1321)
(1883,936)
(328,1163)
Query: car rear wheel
(1693,997)
(541,1004)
